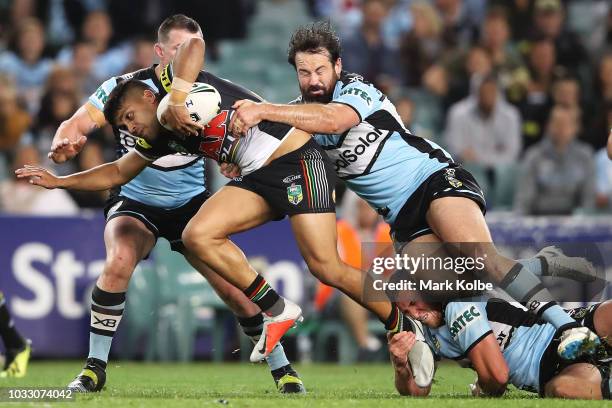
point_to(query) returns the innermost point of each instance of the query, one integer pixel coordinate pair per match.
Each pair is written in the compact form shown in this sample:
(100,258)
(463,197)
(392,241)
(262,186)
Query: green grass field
(133,384)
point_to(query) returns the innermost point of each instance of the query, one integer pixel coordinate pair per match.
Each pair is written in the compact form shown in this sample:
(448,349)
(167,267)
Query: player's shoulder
(459,314)
(228,88)
(352,78)
(351,85)
(144,73)
(101,94)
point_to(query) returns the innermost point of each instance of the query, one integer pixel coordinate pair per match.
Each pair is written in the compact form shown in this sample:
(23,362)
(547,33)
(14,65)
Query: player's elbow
(330,125)
(119,176)
(412,391)
(195,43)
(494,383)
(405,392)
(502,375)
(334,120)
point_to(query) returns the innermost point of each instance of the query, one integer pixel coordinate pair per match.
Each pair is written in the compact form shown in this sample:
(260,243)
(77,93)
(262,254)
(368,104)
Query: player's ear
(150,96)
(338,66)
(159,51)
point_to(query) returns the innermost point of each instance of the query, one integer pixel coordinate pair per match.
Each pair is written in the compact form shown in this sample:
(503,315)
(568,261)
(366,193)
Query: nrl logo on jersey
(294,194)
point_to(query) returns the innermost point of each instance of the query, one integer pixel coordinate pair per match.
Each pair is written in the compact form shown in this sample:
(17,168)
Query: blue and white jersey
(379,159)
(170,181)
(521,336)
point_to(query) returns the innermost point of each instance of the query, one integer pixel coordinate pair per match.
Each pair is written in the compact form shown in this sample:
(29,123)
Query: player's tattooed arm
(98,178)
(71,135)
(491,367)
(400,345)
(187,64)
(331,118)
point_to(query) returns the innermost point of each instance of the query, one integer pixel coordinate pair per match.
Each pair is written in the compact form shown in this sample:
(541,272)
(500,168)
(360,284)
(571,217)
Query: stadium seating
(141,314)
(188,306)
(505,177)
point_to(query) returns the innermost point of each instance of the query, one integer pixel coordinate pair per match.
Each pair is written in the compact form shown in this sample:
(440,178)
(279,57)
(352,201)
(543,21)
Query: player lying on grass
(413,183)
(284,173)
(159,202)
(505,344)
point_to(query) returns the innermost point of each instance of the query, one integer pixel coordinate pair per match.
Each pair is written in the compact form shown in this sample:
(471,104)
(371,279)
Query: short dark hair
(117,97)
(311,38)
(177,22)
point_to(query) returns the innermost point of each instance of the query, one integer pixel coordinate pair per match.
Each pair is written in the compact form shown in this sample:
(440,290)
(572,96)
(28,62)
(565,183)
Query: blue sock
(252,327)
(524,286)
(106,312)
(533,264)
(277,358)
(557,316)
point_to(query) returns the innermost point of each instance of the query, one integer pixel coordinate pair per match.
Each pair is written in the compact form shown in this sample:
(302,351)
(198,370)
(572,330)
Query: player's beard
(325,97)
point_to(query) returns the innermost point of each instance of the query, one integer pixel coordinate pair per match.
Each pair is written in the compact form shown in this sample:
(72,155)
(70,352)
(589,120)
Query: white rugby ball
(421,358)
(203,103)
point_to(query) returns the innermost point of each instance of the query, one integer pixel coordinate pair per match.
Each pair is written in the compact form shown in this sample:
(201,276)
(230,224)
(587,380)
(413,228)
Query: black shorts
(299,182)
(551,364)
(163,223)
(452,181)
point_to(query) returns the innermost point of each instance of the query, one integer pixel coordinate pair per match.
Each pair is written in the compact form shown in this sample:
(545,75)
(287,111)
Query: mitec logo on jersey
(463,320)
(358,92)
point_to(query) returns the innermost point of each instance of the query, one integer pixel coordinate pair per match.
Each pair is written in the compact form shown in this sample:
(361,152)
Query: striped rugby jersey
(521,336)
(215,141)
(379,159)
(170,181)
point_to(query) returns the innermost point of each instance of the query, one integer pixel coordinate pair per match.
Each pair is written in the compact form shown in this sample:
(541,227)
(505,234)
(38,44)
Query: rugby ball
(203,103)
(421,358)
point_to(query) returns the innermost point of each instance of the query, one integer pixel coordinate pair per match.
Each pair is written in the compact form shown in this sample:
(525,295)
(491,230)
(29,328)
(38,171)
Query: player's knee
(559,388)
(603,321)
(120,264)
(196,239)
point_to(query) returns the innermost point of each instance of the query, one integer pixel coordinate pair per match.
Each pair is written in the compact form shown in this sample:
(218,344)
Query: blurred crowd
(54,54)
(519,91)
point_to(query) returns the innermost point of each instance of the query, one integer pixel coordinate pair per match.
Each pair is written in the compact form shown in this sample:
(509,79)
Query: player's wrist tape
(180,84)
(177,98)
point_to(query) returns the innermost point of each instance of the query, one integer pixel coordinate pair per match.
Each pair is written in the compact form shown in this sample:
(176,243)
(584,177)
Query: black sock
(279,372)
(251,326)
(10,336)
(394,322)
(262,294)
(606,382)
